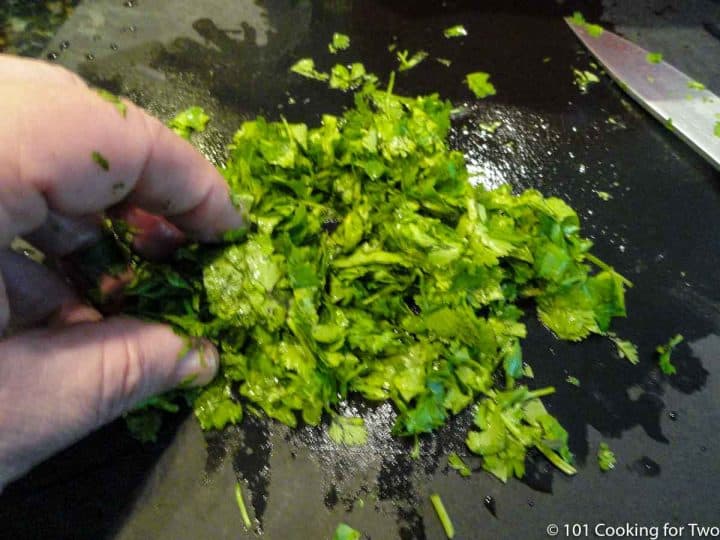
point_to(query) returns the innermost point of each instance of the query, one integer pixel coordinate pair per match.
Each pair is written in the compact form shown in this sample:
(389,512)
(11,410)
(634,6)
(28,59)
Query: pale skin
(70,370)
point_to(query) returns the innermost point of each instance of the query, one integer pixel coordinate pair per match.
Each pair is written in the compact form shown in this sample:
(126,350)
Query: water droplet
(703,448)
(621,248)
(489,502)
(646,467)
(114,46)
(90,57)
(129,3)
(64,45)
(673,415)
(52,55)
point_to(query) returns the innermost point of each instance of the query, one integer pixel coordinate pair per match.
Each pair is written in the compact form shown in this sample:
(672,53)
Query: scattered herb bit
(546,60)
(415,452)
(306,68)
(490,127)
(392,47)
(573,380)
(191,120)
(695,85)
(215,406)
(409,63)
(112,98)
(716,129)
(98,158)
(625,349)
(348,430)
(665,352)
(346,532)
(604,195)
(343,78)
(455,31)
(528,371)
(606,457)
(456,462)
(442,515)
(654,57)
(511,422)
(241,505)
(669,124)
(650,79)
(583,79)
(480,85)
(444,61)
(340,42)
(594,30)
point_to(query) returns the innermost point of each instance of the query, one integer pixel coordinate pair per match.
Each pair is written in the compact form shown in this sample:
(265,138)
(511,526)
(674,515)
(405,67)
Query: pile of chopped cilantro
(372,268)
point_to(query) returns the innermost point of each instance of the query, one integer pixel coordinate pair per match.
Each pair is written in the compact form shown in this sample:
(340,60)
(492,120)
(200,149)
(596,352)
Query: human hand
(78,372)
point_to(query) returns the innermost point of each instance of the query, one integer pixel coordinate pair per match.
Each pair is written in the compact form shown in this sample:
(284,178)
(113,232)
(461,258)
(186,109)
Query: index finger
(65,148)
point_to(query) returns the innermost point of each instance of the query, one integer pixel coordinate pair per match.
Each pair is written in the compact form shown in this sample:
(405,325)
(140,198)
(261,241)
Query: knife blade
(667,93)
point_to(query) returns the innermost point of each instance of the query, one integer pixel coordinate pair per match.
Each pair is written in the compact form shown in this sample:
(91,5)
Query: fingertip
(198,366)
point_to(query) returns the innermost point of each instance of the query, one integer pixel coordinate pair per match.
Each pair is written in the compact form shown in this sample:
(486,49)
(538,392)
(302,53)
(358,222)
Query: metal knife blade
(660,88)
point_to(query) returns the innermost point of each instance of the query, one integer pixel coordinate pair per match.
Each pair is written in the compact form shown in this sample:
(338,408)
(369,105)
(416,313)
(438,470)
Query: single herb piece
(346,532)
(348,430)
(583,79)
(570,379)
(490,127)
(695,85)
(455,31)
(669,124)
(456,462)
(98,158)
(594,30)
(340,42)
(480,85)
(546,60)
(716,129)
(625,349)
(348,78)
(665,352)
(444,61)
(606,457)
(654,57)
(241,505)
(409,63)
(442,515)
(306,68)
(191,120)
(112,98)
(603,195)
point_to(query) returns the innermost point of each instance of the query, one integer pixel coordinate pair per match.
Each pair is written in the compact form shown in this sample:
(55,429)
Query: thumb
(58,385)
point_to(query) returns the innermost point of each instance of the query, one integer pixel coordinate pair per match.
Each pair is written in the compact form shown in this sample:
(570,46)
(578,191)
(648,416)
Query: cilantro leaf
(654,57)
(695,85)
(480,85)
(458,464)
(306,68)
(346,532)
(409,63)
(583,79)
(348,431)
(189,121)
(455,31)
(664,353)
(594,30)
(340,42)
(606,457)
(625,349)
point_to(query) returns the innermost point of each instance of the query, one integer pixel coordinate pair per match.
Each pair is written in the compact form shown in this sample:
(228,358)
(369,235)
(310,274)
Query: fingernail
(198,366)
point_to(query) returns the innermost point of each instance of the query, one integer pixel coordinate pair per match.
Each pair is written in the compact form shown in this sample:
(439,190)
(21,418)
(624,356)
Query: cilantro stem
(541,392)
(556,460)
(241,505)
(442,515)
(600,264)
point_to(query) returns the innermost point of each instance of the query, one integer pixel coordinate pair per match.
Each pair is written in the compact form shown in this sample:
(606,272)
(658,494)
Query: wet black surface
(660,229)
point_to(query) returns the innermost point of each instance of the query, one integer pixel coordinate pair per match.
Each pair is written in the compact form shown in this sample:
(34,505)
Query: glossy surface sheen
(661,89)
(660,229)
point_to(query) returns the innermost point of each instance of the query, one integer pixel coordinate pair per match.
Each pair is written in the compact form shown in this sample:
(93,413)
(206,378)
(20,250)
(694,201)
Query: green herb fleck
(191,120)
(669,124)
(444,61)
(340,42)
(480,85)
(409,63)
(455,31)
(348,78)
(594,30)
(112,98)
(98,158)
(695,85)
(654,57)
(348,430)
(442,515)
(346,532)
(716,129)
(546,60)
(583,79)
(603,195)
(572,380)
(490,127)
(665,352)
(606,457)
(456,462)
(625,349)
(306,68)
(241,505)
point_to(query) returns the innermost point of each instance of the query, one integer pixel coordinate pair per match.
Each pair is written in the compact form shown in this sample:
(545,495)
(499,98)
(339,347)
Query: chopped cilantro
(455,31)
(444,61)
(349,431)
(348,78)
(716,129)
(480,85)
(664,353)
(625,349)
(604,195)
(112,98)
(594,30)
(695,85)
(669,124)
(346,532)
(546,60)
(458,464)
(490,127)
(442,515)
(654,57)
(572,380)
(306,68)
(189,121)
(583,79)
(606,457)
(98,158)
(340,42)
(241,505)
(409,63)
